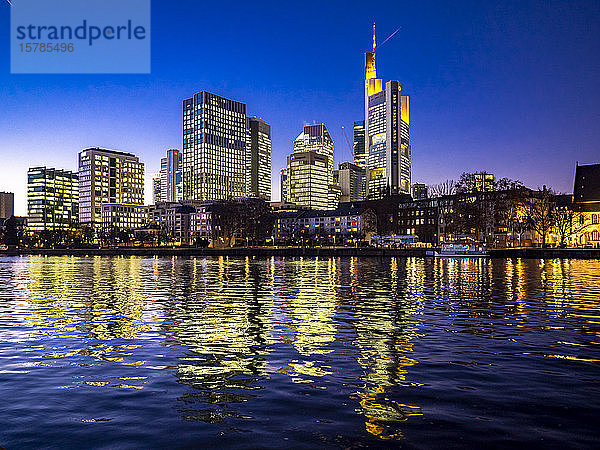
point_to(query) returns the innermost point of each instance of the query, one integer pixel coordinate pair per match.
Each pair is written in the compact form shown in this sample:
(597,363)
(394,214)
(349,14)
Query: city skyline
(481,102)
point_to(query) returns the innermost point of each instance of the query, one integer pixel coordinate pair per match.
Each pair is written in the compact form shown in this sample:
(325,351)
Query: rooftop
(587,184)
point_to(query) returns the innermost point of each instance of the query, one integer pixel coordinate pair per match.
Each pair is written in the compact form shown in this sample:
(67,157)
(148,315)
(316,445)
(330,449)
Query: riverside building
(108,177)
(52,199)
(7,205)
(171,178)
(215,140)
(310,180)
(258,164)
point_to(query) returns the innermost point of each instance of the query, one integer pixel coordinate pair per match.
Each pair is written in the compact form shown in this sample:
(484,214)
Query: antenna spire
(374,40)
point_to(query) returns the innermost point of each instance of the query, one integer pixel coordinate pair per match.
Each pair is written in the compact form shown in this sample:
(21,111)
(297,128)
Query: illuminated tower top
(372,84)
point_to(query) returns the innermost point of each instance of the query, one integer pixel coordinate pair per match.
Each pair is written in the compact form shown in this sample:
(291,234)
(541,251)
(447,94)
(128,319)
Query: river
(131,352)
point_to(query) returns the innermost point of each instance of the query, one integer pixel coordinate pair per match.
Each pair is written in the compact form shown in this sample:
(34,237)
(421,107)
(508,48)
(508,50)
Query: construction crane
(348,142)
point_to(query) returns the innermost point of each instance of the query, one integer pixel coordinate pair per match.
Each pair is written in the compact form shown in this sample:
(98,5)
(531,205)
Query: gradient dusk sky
(510,87)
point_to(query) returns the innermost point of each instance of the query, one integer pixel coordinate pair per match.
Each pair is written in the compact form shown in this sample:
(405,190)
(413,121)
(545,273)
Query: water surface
(292,352)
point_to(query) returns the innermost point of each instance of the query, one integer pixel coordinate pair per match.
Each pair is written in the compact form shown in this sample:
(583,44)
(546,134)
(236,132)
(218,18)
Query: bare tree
(568,223)
(442,189)
(541,212)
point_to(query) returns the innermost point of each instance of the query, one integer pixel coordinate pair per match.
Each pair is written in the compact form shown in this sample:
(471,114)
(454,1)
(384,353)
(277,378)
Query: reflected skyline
(232,341)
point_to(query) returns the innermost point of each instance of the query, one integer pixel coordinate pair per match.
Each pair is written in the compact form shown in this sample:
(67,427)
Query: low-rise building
(175,220)
(586,202)
(348,223)
(123,217)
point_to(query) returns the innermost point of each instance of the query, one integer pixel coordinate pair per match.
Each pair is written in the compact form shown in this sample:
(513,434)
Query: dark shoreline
(530,253)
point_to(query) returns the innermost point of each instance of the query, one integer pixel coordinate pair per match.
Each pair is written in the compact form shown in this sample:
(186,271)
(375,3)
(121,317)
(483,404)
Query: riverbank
(263,252)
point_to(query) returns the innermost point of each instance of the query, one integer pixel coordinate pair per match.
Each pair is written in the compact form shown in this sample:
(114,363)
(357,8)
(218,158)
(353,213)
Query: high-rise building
(52,199)
(308,179)
(387,140)
(316,138)
(171,179)
(258,164)
(283,185)
(108,177)
(360,156)
(419,191)
(156,188)
(215,139)
(7,205)
(351,181)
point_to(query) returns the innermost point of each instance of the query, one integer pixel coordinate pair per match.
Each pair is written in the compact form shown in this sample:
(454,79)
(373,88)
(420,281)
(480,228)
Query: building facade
(360,156)
(52,199)
(345,224)
(351,180)
(108,177)
(171,177)
(283,181)
(123,217)
(419,191)
(7,205)
(479,182)
(308,180)
(156,190)
(387,138)
(586,202)
(215,139)
(258,164)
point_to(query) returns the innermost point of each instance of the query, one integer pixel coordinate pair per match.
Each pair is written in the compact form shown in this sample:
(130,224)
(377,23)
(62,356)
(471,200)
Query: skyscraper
(387,140)
(360,156)
(52,199)
(351,180)
(308,179)
(258,164)
(283,177)
(215,139)
(108,177)
(7,205)
(171,182)
(316,138)
(156,190)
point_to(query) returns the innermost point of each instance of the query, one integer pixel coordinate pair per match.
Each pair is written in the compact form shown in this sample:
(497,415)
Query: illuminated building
(351,180)
(387,142)
(308,180)
(108,177)
(419,191)
(7,205)
(121,216)
(156,188)
(310,170)
(283,185)
(360,156)
(215,139)
(171,182)
(586,202)
(479,182)
(346,222)
(52,199)
(175,220)
(258,164)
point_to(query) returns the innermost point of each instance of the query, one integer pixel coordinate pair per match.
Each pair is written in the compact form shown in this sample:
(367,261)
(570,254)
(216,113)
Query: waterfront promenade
(531,253)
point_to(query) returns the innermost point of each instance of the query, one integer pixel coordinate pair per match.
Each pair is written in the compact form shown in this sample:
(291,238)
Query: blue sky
(508,87)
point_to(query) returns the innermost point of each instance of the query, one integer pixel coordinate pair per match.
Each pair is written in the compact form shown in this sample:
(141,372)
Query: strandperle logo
(85,32)
(80,36)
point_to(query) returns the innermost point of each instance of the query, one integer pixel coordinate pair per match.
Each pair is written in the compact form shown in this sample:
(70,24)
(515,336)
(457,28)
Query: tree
(11,233)
(443,189)
(567,223)
(541,212)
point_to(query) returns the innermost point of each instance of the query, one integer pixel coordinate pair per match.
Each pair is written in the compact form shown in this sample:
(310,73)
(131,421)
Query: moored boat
(461,251)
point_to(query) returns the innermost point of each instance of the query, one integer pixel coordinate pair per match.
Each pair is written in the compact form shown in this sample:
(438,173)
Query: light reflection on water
(298,351)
